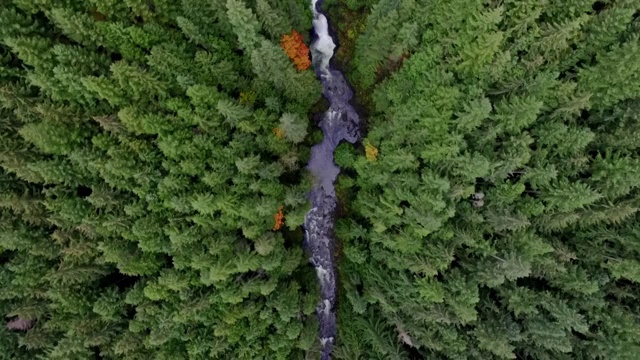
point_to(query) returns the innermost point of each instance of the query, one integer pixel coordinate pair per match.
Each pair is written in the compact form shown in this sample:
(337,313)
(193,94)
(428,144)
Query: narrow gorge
(340,122)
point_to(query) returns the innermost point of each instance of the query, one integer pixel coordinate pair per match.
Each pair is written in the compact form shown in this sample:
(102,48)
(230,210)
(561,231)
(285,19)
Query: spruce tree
(495,220)
(140,175)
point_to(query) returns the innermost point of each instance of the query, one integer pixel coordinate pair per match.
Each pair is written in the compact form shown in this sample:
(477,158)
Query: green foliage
(294,127)
(500,216)
(138,186)
(145,147)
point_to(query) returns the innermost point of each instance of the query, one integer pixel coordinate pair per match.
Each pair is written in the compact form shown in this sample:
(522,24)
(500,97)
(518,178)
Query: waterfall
(340,122)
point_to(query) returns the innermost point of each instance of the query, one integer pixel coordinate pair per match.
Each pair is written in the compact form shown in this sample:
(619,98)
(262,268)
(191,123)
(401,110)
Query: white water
(324,45)
(339,123)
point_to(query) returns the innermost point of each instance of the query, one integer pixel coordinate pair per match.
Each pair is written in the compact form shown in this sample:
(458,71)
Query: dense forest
(146,149)
(153,182)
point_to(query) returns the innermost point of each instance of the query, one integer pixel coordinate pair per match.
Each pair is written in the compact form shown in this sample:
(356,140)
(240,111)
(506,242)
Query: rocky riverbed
(340,123)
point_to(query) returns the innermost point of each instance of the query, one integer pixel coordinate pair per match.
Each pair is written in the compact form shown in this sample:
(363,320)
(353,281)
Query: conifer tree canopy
(498,219)
(140,176)
(153,182)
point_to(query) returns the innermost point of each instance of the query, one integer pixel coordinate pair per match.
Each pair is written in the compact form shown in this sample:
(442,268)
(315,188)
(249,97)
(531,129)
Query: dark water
(340,123)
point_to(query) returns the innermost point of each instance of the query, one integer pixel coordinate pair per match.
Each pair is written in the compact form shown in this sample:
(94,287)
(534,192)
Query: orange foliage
(279,219)
(279,134)
(295,48)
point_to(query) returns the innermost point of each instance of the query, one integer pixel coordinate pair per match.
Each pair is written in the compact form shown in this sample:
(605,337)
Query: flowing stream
(340,122)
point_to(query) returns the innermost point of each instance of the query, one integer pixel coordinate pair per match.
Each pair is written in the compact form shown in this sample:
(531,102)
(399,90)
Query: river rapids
(340,122)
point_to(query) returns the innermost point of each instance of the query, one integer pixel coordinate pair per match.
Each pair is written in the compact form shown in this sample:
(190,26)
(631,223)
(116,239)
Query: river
(340,123)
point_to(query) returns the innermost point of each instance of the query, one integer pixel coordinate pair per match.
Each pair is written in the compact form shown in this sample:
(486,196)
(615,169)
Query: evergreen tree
(152,182)
(496,219)
(139,181)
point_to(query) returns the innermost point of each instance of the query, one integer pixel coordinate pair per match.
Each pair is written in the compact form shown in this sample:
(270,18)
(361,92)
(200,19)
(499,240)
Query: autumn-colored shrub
(371,152)
(279,219)
(295,48)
